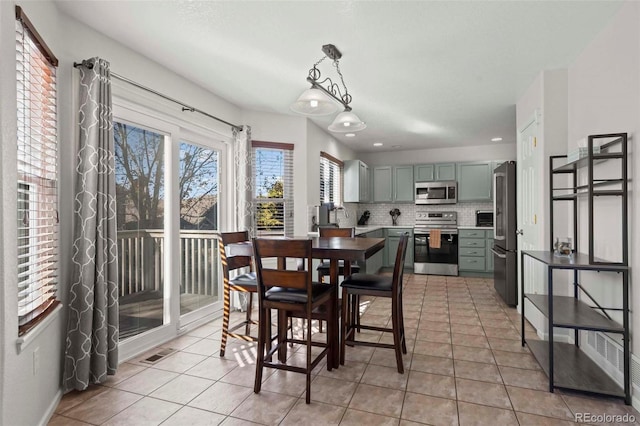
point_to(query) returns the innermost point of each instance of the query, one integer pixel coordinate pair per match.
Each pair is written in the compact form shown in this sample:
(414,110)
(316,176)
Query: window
(37,172)
(330,179)
(273,167)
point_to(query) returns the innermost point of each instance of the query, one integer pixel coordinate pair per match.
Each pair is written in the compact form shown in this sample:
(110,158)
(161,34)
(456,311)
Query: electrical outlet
(36,361)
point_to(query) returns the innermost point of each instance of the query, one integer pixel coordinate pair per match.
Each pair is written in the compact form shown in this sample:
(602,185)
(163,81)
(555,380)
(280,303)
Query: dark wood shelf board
(573,369)
(572,313)
(576,261)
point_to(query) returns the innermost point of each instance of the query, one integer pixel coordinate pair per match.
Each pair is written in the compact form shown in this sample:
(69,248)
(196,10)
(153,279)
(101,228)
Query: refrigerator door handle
(500,255)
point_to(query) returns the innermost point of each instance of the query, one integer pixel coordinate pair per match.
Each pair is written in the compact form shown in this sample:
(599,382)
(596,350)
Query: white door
(530,168)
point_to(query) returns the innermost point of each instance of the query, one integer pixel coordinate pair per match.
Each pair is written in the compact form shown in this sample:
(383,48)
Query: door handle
(519,232)
(500,255)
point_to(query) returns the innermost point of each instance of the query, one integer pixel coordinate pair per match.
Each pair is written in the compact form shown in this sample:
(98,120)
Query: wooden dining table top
(342,248)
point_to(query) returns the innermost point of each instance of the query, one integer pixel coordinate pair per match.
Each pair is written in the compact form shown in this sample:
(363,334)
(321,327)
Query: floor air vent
(158,356)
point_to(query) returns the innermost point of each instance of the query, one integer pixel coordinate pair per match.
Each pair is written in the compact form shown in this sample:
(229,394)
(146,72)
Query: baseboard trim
(51,409)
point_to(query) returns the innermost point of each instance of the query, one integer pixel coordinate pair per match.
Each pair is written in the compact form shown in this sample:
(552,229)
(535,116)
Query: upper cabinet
(431,172)
(475,181)
(356,182)
(393,184)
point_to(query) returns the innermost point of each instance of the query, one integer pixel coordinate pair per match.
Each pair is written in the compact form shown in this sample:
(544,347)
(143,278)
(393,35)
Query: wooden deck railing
(141,261)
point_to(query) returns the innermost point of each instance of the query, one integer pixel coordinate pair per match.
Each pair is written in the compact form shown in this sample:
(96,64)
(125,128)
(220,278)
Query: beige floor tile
(59,420)
(204,330)
(539,402)
(182,389)
(315,413)
(469,340)
(483,393)
(467,353)
(503,333)
(377,400)
(387,357)
(432,364)
(424,347)
(351,371)
(234,421)
(429,409)
(523,378)
(125,370)
(516,360)
(206,347)
(387,377)
(435,317)
(146,381)
(265,407)
(432,384)
(463,313)
(433,326)
(434,336)
(526,419)
(497,323)
(358,418)
(358,353)
(480,415)
(601,405)
(179,362)
(245,375)
(332,391)
(147,411)
(221,398)
(212,368)
(477,371)
(194,417)
(102,407)
(507,345)
(474,330)
(468,320)
(75,398)
(286,382)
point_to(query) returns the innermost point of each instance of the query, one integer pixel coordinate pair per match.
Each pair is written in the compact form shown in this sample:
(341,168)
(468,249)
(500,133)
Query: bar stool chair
(378,286)
(244,283)
(288,291)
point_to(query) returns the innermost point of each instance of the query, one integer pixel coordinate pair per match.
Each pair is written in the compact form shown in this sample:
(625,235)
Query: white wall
(498,151)
(604,97)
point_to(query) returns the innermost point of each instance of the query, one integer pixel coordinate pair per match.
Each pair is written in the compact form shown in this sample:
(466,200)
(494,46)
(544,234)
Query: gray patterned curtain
(244,180)
(91,351)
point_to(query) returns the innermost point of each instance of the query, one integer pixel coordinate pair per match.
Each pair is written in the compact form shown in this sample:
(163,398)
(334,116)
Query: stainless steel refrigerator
(505,246)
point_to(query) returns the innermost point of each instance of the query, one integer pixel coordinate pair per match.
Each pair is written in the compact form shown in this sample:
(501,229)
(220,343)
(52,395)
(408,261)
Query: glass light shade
(347,121)
(314,102)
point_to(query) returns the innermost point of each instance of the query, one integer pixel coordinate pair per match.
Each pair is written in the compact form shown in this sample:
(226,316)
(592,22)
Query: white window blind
(37,198)
(330,179)
(273,168)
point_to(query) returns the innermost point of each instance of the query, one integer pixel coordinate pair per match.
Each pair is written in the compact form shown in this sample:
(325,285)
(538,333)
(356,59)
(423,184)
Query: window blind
(331,170)
(273,199)
(37,171)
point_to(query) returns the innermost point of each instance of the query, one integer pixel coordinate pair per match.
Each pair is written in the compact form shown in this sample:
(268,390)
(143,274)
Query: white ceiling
(422,74)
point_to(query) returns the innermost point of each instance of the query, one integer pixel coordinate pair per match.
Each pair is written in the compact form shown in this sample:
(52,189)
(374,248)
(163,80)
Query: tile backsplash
(380,212)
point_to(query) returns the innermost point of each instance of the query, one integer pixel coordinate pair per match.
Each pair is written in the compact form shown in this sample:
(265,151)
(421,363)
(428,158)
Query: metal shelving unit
(565,364)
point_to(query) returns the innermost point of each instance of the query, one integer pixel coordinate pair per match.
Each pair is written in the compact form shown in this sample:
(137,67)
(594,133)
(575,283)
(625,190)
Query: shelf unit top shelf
(582,162)
(576,261)
(573,369)
(572,313)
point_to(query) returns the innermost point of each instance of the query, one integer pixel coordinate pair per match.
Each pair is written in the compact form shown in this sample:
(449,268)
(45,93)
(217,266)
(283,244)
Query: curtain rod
(185,107)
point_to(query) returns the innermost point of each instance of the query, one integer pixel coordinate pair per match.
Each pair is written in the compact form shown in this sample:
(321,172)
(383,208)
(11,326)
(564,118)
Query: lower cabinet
(391,246)
(474,251)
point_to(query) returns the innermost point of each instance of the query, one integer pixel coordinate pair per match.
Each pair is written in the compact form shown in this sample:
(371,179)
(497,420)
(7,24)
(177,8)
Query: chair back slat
(282,249)
(398,268)
(230,263)
(338,232)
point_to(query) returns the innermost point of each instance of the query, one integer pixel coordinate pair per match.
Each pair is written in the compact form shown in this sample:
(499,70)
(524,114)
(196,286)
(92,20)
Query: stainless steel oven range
(430,255)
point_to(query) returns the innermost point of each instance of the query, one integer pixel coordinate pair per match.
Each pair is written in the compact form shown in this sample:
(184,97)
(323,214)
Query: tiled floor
(465,366)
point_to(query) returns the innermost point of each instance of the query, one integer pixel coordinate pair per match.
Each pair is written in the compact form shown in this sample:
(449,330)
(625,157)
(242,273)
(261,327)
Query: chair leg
(248,317)
(357,303)
(395,320)
(308,396)
(225,319)
(264,334)
(345,324)
(282,335)
(404,338)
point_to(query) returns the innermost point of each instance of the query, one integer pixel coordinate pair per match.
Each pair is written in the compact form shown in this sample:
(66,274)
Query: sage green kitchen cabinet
(356,182)
(431,172)
(383,184)
(403,184)
(391,246)
(475,181)
(424,173)
(445,171)
(475,257)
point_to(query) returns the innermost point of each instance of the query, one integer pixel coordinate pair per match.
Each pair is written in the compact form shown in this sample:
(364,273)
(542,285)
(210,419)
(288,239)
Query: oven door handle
(500,255)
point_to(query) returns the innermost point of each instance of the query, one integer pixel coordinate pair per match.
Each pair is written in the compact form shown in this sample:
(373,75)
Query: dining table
(333,249)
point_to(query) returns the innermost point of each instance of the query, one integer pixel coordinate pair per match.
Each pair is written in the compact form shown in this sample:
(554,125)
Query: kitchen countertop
(488,228)
(370,228)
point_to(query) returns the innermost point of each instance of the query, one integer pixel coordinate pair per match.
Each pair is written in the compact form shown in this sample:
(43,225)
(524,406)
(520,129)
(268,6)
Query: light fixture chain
(319,61)
(346,97)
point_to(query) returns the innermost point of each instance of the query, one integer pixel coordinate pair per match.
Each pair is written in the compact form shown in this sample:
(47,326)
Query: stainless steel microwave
(445,192)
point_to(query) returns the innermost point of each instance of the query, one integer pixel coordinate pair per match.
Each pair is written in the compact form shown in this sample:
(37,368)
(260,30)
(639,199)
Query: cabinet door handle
(500,255)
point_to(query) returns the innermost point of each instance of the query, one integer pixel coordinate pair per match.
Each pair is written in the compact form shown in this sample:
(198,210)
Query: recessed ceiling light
(496,139)
(377,144)
(350,135)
